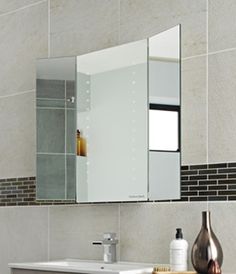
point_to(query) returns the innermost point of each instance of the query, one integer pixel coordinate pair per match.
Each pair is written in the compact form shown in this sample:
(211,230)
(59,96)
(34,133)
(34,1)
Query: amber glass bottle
(81,145)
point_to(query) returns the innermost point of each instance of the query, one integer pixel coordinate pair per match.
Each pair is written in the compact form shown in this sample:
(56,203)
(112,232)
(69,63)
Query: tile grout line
(16,94)
(119,238)
(221,51)
(194,56)
(207,84)
(48,238)
(208,53)
(22,8)
(65,136)
(118,21)
(49,28)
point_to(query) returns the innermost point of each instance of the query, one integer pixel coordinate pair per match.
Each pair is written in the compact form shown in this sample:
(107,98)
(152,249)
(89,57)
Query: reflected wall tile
(222,24)
(50,130)
(79,26)
(50,176)
(193,111)
(141,19)
(147,229)
(74,228)
(50,89)
(71,131)
(23,235)
(222,101)
(17,136)
(8,6)
(23,37)
(71,176)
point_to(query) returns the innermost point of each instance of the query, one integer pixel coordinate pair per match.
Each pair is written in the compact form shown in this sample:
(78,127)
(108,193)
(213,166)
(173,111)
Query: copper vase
(206,247)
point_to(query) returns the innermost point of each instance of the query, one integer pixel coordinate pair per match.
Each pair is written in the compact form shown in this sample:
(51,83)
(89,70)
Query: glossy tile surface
(79,26)
(23,235)
(74,228)
(23,37)
(147,229)
(194,111)
(222,24)
(17,136)
(141,19)
(7,6)
(222,100)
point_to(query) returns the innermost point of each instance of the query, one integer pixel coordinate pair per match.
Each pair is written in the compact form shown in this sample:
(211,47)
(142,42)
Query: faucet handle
(109,236)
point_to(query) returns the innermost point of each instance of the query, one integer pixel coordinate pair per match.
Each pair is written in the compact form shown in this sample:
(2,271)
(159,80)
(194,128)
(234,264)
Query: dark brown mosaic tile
(203,182)
(198,198)
(217,198)
(222,165)
(207,171)
(198,167)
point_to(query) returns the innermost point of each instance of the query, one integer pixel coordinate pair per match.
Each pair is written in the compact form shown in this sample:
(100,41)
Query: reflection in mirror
(112,118)
(108,123)
(164,115)
(56,120)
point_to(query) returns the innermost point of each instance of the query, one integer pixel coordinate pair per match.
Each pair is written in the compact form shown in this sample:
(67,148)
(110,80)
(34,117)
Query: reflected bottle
(206,247)
(81,145)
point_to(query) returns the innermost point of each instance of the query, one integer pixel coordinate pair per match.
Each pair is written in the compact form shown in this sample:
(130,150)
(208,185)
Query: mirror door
(112,118)
(56,123)
(164,115)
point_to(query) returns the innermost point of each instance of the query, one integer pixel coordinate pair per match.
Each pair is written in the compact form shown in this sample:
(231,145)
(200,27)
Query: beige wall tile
(79,26)
(222,24)
(17,136)
(23,37)
(74,228)
(141,19)
(8,6)
(222,101)
(23,235)
(147,229)
(194,127)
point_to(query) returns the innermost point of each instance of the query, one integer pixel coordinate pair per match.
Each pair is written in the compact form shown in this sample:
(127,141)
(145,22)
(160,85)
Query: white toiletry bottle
(179,252)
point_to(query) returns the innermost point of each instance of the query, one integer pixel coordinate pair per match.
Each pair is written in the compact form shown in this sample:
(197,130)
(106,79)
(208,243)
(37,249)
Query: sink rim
(54,265)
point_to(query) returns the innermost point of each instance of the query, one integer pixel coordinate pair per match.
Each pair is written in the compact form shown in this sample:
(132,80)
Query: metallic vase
(206,247)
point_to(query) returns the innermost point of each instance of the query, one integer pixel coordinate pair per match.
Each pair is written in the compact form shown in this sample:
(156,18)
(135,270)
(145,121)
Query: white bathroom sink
(86,267)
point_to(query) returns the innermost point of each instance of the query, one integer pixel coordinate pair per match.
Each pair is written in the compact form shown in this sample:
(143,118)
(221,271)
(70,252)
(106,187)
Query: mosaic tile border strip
(22,191)
(205,182)
(208,182)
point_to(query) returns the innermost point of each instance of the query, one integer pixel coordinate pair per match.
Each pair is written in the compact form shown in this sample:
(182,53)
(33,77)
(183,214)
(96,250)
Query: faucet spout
(109,243)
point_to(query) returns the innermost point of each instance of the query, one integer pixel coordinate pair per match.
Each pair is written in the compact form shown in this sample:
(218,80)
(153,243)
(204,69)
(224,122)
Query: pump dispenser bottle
(178,252)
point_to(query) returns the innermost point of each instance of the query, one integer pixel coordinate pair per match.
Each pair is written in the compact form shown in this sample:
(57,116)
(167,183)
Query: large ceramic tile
(222,101)
(8,6)
(222,24)
(50,176)
(223,220)
(50,130)
(23,37)
(194,127)
(141,19)
(74,228)
(17,136)
(23,235)
(79,26)
(147,229)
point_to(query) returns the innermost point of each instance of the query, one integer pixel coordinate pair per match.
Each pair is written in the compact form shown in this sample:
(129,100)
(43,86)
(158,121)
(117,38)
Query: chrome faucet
(109,243)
